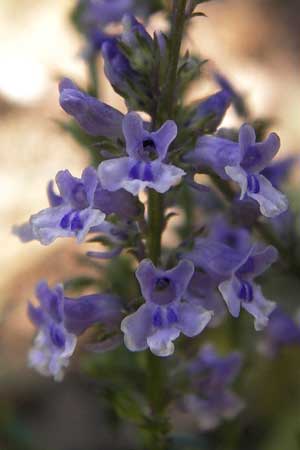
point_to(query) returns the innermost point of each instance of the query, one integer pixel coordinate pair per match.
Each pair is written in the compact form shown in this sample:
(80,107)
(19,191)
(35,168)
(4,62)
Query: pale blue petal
(260,308)
(136,328)
(229,290)
(192,318)
(271,201)
(161,341)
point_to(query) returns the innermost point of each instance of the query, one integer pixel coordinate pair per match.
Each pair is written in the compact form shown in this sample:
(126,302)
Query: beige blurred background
(258,50)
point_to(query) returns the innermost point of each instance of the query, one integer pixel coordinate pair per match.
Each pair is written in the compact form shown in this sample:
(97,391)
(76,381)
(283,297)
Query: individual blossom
(75,214)
(243,163)
(133,32)
(60,320)
(80,208)
(282,331)
(144,166)
(211,110)
(211,376)
(235,265)
(118,70)
(237,100)
(165,313)
(99,13)
(95,117)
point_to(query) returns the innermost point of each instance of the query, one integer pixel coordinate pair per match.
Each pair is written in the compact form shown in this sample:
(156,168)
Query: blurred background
(256,44)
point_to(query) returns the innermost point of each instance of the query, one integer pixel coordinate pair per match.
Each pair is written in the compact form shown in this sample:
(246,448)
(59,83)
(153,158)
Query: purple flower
(236,98)
(158,322)
(144,166)
(80,208)
(211,375)
(75,214)
(213,108)
(235,264)
(281,331)
(103,12)
(279,171)
(133,32)
(60,320)
(243,163)
(94,117)
(118,69)
(96,39)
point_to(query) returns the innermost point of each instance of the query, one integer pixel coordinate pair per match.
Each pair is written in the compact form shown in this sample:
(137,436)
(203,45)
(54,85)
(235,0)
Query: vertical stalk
(178,21)
(155,224)
(93,77)
(156,373)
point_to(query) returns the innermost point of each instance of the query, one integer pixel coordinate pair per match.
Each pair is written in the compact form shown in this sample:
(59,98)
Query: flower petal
(181,276)
(259,155)
(247,138)
(113,173)
(229,290)
(237,174)
(24,232)
(146,275)
(133,131)
(271,201)
(160,342)
(192,318)
(165,176)
(136,328)
(164,136)
(260,308)
(85,311)
(94,117)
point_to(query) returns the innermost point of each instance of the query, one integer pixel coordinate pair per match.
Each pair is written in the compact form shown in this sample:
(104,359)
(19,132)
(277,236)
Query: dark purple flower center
(162,283)
(148,150)
(163,291)
(230,239)
(245,291)
(253,184)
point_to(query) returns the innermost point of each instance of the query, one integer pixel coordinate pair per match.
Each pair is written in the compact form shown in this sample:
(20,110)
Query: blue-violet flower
(144,166)
(60,320)
(165,313)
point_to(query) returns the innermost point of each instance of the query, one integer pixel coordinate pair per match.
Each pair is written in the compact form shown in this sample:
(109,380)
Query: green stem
(178,21)
(93,78)
(156,372)
(155,224)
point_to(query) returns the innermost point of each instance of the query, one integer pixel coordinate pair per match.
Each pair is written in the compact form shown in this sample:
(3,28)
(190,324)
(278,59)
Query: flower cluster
(143,173)
(181,299)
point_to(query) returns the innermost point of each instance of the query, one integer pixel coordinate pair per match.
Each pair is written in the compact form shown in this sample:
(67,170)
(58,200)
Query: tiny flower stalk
(156,373)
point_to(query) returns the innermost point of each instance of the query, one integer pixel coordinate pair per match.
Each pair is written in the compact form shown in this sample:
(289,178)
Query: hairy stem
(155,224)
(156,373)
(93,88)
(178,21)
